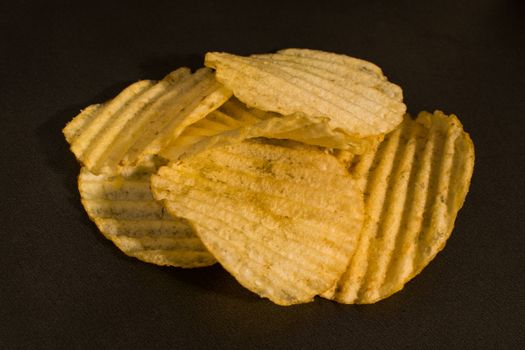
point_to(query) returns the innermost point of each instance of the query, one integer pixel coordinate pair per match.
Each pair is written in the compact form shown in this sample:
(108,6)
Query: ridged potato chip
(282,218)
(414,185)
(352,93)
(124,211)
(142,119)
(234,122)
(232,115)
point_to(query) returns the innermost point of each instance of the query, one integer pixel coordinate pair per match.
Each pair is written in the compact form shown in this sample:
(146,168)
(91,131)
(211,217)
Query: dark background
(64,286)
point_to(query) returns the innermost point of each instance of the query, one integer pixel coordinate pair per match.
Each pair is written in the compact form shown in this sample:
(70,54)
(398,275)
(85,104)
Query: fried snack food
(232,115)
(125,212)
(414,184)
(298,171)
(353,94)
(234,122)
(134,126)
(282,218)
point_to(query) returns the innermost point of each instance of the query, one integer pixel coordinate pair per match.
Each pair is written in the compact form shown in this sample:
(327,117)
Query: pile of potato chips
(298,171)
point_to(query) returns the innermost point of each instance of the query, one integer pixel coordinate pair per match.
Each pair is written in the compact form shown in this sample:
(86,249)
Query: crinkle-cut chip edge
(333,58)
(164,257)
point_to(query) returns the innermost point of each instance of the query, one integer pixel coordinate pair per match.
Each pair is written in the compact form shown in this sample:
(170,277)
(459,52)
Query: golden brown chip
(414,185)
(234,122)
(232,115)
(142,119)
(124,210)
(274,216)
(352,93)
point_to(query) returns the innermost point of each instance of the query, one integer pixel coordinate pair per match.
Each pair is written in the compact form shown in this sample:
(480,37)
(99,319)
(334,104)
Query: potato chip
(352,93)
(124,210)
(414,185)
(274,214)
(234,122)
(142,119)
(231,115)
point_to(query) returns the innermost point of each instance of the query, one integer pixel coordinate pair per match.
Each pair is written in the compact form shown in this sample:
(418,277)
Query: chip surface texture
(282,219)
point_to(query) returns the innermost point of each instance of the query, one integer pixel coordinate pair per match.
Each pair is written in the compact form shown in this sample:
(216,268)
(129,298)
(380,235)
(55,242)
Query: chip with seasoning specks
(125,212)
(135,126)
(282,218)
(414,183)
(352,94)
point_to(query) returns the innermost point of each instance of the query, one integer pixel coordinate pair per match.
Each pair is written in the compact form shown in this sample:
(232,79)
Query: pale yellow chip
(234,122)
(414,185)
(283,220)
(124,210)
(353,94)
(137,124)
(232,115)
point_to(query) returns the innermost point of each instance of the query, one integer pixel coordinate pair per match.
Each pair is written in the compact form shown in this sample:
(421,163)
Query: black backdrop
(64,286)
